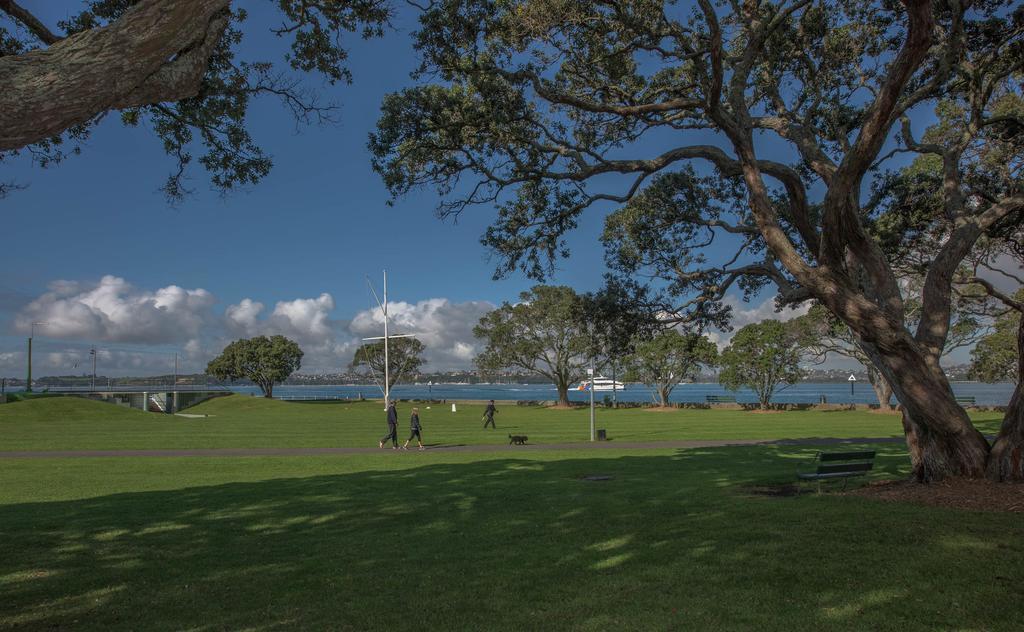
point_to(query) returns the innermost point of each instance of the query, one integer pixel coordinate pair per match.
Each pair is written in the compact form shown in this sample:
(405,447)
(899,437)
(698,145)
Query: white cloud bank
(157,323)
(115,311)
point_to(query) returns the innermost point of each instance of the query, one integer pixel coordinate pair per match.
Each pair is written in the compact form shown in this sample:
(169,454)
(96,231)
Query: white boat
(601,383)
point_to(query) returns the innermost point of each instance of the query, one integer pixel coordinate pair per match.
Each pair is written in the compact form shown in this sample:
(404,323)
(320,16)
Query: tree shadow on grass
(509,543)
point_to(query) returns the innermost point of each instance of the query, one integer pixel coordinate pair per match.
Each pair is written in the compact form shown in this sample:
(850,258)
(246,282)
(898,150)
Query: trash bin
(602,435)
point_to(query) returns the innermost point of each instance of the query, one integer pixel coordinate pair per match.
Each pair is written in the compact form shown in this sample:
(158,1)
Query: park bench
(833,465)
(720,399)
(965,400)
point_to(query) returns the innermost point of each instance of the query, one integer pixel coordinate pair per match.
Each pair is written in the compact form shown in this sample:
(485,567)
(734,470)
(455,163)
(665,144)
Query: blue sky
(314,227)
(317,224)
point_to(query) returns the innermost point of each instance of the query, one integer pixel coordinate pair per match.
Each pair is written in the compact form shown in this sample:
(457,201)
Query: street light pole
(31,335)
(92,352)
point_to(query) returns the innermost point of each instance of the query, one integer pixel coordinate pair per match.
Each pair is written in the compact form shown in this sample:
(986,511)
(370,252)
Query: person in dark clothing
(489,414)
(392,427)
(414,425)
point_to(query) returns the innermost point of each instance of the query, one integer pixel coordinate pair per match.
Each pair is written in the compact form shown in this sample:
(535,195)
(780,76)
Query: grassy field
(470,541)
(253,422)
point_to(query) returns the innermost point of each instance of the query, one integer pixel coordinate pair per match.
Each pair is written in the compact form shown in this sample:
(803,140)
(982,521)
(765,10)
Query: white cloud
(304,318)
(242,317)
(445,328)
(747,313)
(114,311)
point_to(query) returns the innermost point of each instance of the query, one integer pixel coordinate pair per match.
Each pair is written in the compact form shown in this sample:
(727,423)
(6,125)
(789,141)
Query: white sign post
(852,380)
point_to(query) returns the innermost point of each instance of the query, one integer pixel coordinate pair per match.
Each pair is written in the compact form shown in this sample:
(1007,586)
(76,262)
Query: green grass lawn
(488,541)
(253,422)
(499,540)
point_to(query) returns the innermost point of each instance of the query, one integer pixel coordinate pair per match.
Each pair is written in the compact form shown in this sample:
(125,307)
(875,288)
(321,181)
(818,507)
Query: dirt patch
(972,495)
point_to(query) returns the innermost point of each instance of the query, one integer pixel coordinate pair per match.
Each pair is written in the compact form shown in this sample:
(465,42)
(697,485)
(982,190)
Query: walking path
(601,445)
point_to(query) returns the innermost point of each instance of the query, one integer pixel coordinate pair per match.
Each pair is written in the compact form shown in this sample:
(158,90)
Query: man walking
(392,427)
(489,415)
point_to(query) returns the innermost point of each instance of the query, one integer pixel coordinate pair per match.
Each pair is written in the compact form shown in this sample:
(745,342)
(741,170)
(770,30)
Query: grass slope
(253,422)
(498,542)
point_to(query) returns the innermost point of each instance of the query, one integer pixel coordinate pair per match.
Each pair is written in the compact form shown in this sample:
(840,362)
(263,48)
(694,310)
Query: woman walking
(414,425)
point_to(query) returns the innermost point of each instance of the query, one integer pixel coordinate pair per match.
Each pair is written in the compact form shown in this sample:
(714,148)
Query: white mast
(387,336)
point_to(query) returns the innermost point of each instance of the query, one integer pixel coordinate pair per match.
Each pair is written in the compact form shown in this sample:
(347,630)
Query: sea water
(802,393)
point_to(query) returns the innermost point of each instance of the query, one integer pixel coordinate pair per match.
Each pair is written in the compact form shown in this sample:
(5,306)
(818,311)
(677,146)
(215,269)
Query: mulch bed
(972,495)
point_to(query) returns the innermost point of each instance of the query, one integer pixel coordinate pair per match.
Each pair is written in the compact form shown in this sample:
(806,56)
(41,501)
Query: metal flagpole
(387,364)
(386,337)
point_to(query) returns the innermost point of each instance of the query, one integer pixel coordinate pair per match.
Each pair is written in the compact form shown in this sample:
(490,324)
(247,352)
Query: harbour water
(803,393)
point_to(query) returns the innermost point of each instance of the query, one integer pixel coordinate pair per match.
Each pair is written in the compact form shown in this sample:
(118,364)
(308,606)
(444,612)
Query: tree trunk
(158,51)
(1006,463)
(881,387)
(940,436)
(663,392)
(563,394)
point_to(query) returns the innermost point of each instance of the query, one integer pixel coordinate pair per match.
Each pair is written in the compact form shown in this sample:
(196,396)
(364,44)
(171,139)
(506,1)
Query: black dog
(517,439)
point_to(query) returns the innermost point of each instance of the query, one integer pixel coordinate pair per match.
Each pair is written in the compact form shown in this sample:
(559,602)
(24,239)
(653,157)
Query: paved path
(601,445)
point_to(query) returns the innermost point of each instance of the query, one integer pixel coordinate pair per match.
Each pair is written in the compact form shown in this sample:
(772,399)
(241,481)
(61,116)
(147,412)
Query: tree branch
(157,51)
(29,21)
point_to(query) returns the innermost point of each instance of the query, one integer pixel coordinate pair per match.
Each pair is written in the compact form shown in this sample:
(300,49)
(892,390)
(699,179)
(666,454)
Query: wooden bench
(720,399)
(832,465)
(965,400)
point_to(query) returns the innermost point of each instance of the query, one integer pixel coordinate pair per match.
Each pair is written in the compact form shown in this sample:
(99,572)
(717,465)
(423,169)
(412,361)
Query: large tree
(763,357)
(405,357)
(669,358)
(545,333)
(788,107)
(173,66)
(261,360)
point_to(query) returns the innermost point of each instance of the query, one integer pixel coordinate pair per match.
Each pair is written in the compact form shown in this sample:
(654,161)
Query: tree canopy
(669,358)
(546,333)
(173,66)
(994,358)
(405,356)
(262,360)
(763,357)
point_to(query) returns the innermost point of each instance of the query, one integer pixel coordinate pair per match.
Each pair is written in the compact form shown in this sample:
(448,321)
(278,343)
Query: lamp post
(31,335)
(92,352)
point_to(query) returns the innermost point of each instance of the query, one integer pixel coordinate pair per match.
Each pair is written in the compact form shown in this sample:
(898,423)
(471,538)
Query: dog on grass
(517,439)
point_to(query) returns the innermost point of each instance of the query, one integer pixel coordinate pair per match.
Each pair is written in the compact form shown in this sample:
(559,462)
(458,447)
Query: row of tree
(557,333)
